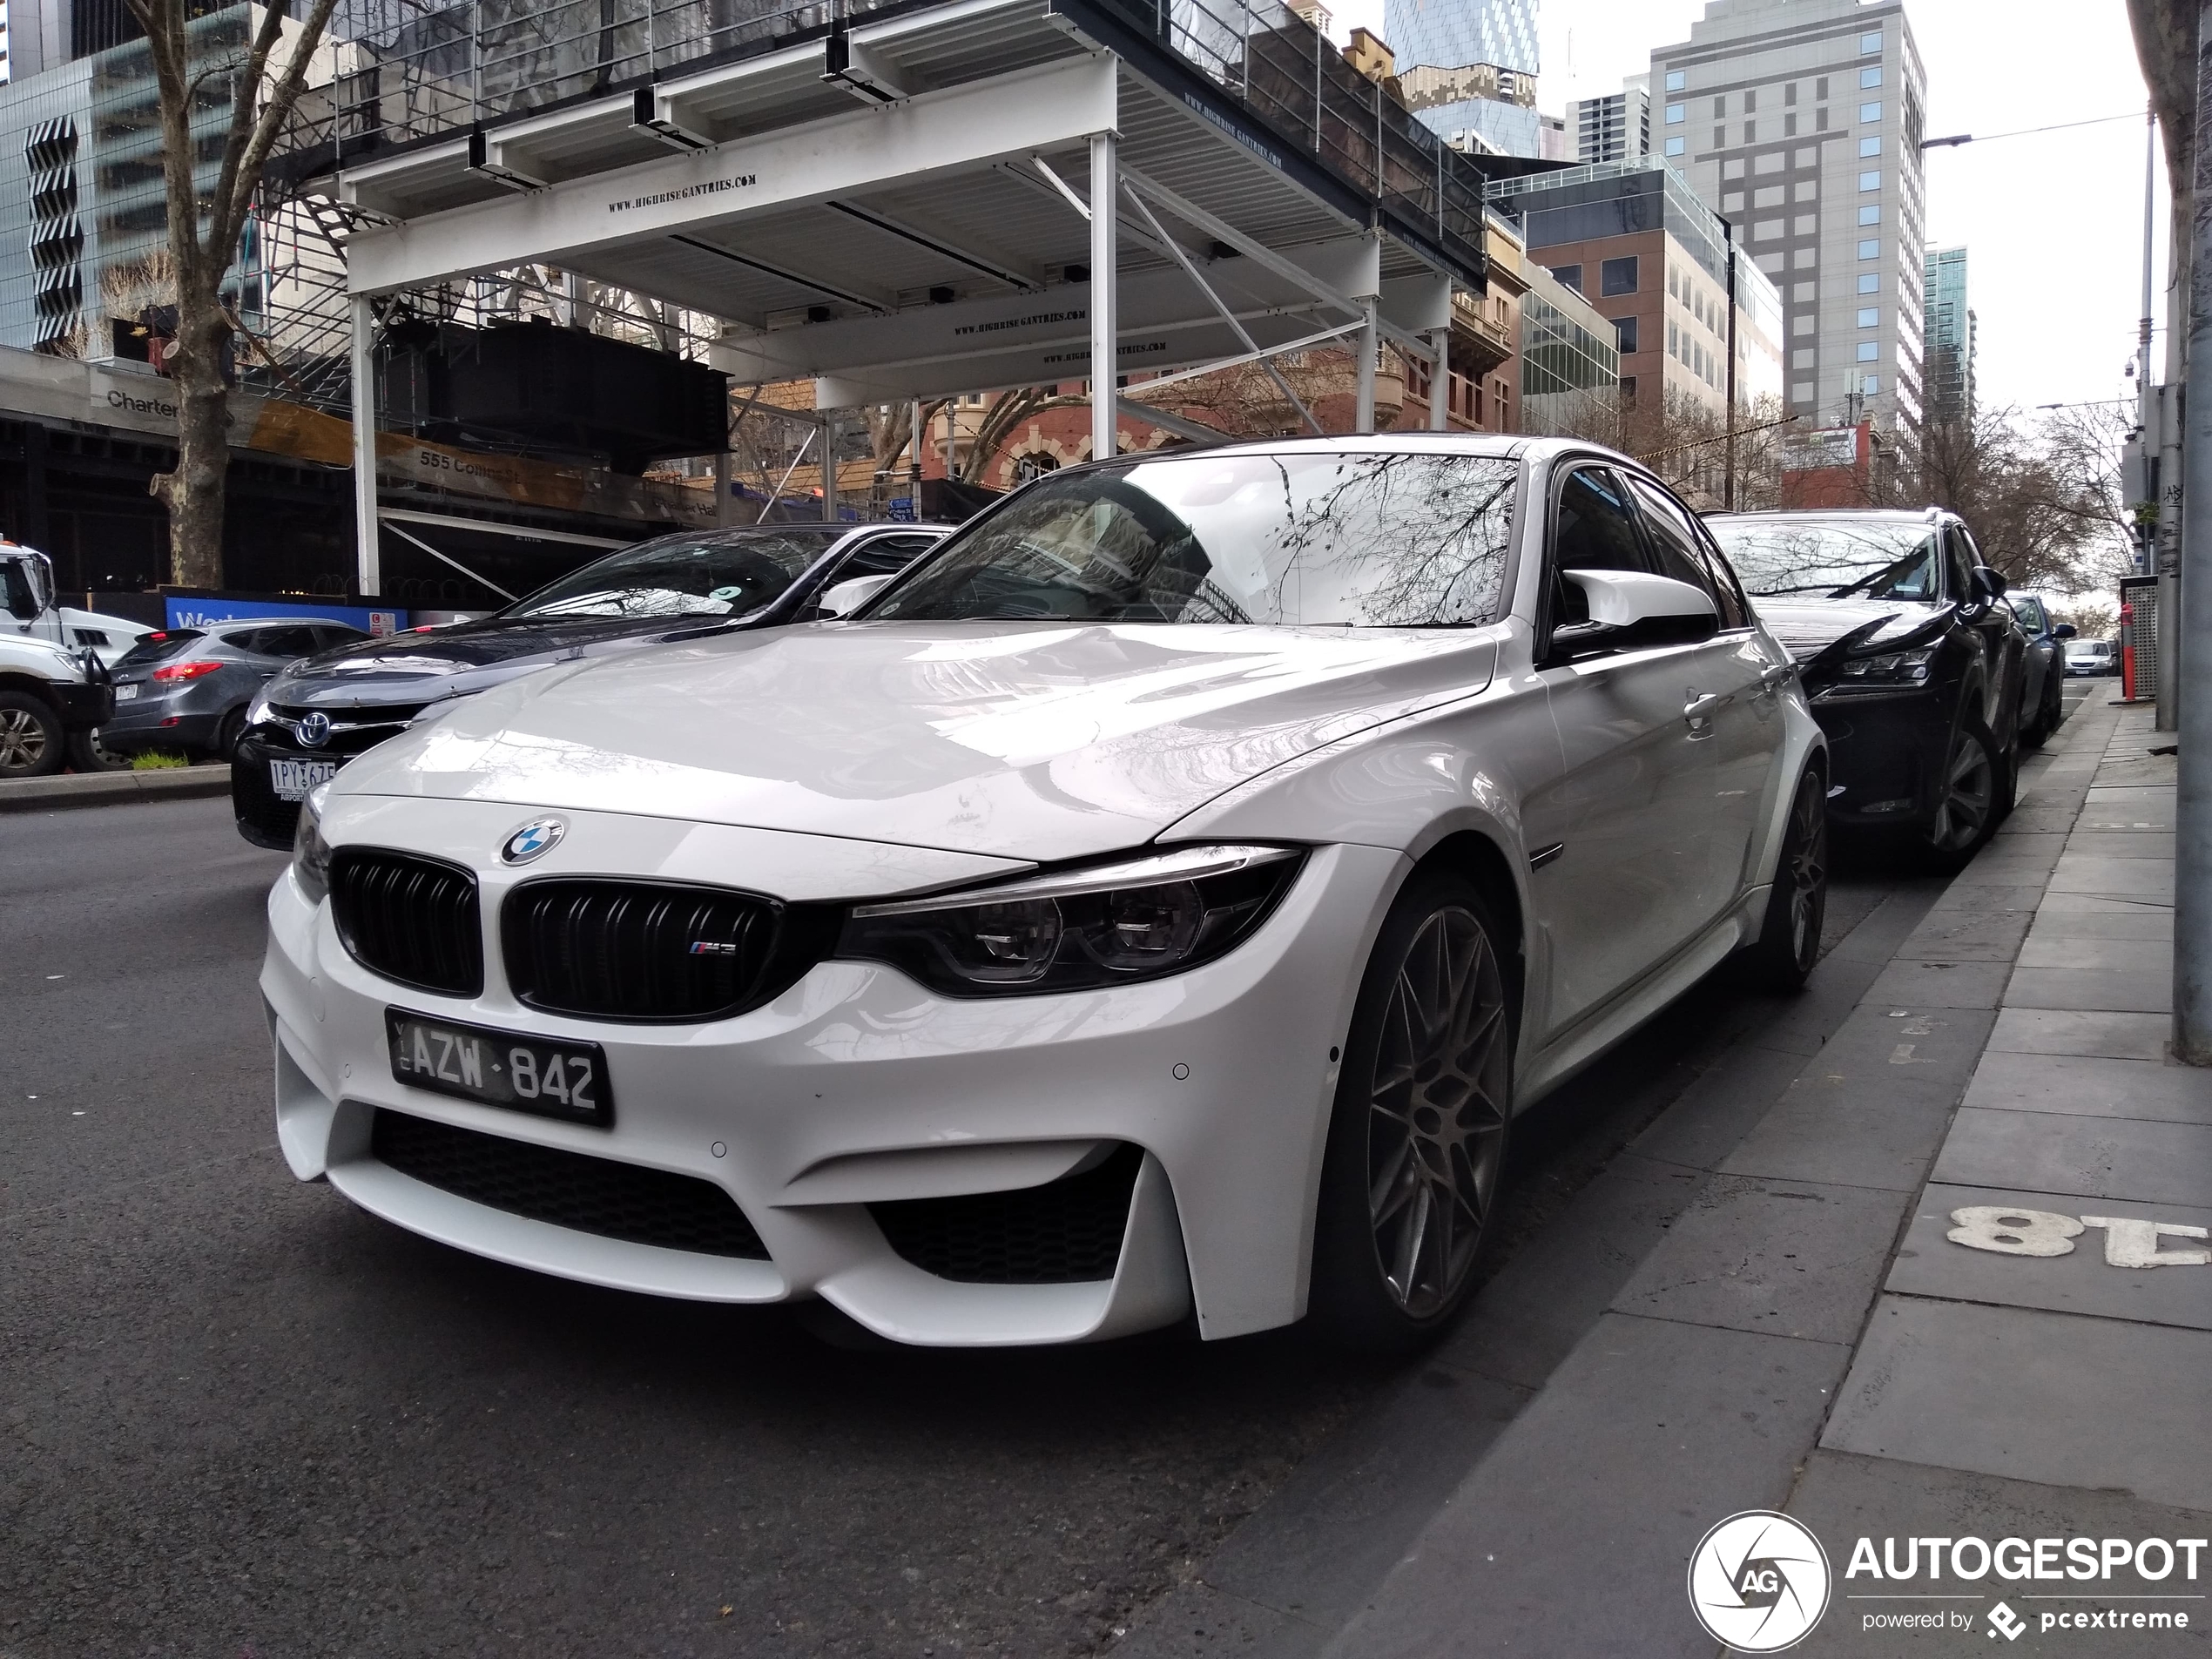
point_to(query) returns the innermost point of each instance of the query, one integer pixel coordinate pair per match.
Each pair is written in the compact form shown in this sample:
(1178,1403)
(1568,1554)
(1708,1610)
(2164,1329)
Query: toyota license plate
(295,780)
(126,694)
(563,1080)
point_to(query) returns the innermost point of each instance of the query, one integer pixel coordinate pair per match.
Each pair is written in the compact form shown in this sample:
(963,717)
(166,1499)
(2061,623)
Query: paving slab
(2134,990)
(2126,808)
(2083,1280)
(1941,984)
(2086,1087)
(2033,1396)
(2017,862)
(1713,1116)
(2123,844)
(2035,819)
(2096,1157)
(1969,936)
(2113,878)
(2094,904)
(1794,1259)
(2134,771)
(1844,1497)
(1984,900)
(1651,1431)
(2114,1036)
(2090,953)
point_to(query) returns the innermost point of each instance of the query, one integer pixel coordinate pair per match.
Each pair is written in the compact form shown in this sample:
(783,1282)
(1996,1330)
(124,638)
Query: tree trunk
(193,493)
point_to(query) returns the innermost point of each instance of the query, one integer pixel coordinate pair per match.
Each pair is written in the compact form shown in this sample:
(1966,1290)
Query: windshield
(1832,558)
(1317,537)
(2088,648)
(722,575)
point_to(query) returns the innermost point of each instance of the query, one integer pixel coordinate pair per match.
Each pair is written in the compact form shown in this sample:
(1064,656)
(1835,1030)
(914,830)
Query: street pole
(2193,796)
(1728,477)
(368,570)
(2166,527)
(2146,553)
(1105,292)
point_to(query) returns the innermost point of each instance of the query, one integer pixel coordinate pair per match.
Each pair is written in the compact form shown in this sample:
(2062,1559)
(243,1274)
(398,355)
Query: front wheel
(1789,943)
(31,737)
(1972,792)
(88,753)
(1417,1139)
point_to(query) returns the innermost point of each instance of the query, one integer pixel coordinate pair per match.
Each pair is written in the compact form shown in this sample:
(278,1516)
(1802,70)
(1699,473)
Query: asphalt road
(241,1418)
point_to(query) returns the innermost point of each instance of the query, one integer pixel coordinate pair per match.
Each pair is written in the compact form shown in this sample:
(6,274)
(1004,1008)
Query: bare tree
(204,232)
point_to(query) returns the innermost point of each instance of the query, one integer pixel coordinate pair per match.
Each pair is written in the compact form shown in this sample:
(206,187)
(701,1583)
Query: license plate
(126,694)
(563,1080)
(295,779)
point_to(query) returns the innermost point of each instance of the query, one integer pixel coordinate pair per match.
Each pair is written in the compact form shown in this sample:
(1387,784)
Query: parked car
(2042,667)
(1912,660)
(188,689)
(1160,902)
(322,712)
(51,700)
(2091,657)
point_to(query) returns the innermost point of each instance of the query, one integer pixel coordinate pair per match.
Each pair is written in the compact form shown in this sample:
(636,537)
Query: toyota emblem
(534,839)
(314,729)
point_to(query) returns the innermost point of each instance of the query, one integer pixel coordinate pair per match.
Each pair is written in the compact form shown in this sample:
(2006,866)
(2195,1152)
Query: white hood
(1036,741)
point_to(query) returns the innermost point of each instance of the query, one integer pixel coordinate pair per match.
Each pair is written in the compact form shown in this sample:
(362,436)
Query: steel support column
(1105,191)
(368,574)
(829,466)
(1439,379)
(1363,418)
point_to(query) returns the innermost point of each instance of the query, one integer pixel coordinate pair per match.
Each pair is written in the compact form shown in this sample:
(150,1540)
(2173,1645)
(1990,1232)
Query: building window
(1870,249)
(1628,391)
(1675,80)
(1870,77)
(1750,133)
(1820,120)
(1789,126)
(1870,146)
(1674,115)
(1625,329)
(1790,96)
(1820,88)
(1873,385)
(1870,351)
(1870,283)
(1870,181)
(1720,108)
(1568,276)
(1871,214)
(1750,103)
(1676,146)
(1870,316)
(1617,276)
(1869,45)
(1869,113)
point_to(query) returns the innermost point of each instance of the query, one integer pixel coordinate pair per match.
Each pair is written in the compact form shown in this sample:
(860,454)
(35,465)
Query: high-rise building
(1450,34)
(1950,338)
(1801,121)
(1617,127)
(1468,69)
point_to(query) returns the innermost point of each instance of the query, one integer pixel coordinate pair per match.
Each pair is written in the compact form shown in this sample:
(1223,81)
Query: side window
(1594,529)
(1960,559)
(297,640)
(1673,544)
(885,556)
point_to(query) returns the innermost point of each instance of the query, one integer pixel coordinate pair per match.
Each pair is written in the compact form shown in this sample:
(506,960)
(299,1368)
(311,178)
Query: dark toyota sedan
(1913,663)
(318,714)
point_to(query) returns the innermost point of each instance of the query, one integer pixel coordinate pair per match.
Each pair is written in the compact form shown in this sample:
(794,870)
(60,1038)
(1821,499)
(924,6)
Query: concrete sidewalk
(1755,1305)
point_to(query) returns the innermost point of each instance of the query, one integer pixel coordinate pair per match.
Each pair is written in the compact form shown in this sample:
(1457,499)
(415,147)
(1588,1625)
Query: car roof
(1899,515)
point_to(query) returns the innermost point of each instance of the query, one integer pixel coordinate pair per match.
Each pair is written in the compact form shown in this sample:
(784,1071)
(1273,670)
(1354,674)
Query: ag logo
(1758,1581)
(534,839)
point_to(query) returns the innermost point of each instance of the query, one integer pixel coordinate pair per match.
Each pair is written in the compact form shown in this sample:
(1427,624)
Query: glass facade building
(1950,337)
(1448,33)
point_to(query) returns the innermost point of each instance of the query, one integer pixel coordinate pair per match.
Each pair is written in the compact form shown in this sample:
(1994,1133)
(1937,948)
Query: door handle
(1698,712)
(1773,678)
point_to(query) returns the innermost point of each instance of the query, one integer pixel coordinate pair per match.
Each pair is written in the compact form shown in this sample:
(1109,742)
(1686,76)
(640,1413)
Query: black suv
(319,714)
(1913,663)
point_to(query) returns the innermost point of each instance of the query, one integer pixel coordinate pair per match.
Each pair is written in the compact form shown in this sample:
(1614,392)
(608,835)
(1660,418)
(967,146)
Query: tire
(1973,791)
(1417,1140)
(87,754)
(31,745)
(1783,956)
(228,733)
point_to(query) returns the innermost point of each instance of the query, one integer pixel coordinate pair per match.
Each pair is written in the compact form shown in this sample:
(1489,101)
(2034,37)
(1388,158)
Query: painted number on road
(2128,1242)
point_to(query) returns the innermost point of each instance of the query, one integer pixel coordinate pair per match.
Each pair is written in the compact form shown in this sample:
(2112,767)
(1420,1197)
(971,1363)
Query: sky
(2053,222)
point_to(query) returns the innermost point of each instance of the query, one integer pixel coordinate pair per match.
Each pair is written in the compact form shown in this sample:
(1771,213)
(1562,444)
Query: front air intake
(409,918)
(1067,1232)
(638,950)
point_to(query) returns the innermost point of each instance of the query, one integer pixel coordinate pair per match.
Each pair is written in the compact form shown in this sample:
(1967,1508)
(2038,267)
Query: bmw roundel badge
(314,729)
(534,839)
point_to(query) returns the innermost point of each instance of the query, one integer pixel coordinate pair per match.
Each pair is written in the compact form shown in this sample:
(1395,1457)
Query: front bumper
(84,707)
(857,1088)
(156,723)
(264,818)
(1885,754)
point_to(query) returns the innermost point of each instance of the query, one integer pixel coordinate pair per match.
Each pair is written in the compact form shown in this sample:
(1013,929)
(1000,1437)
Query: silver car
(187,689)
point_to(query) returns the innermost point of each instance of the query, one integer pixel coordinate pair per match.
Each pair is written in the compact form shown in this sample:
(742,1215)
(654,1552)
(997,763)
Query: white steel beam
(934,134)
(1105,262)
(369,577)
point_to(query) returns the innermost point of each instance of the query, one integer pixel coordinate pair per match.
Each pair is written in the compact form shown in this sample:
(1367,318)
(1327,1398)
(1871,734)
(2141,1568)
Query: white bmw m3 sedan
(1157,907)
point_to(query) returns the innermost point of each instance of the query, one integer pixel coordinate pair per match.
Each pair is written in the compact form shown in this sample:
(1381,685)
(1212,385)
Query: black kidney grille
(410,919)
(632,950)
(574,1189)
(1064,1232)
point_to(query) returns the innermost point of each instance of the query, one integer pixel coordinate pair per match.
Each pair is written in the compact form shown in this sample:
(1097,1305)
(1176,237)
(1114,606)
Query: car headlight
(1108,924)
(258,711)
(310,853)
(1892,668)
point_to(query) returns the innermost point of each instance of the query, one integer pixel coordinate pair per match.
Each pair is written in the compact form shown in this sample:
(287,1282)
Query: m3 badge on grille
(534,839)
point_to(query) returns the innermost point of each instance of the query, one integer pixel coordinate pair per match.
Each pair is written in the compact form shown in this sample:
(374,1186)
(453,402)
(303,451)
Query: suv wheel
(1789,943)
(31,737)
(1971,794)
(1417,1139)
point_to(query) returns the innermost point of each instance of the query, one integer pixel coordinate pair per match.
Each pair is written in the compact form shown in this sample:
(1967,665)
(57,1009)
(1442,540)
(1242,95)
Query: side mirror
(1989,584)
(843,598)
(1630,610)
(2064,630)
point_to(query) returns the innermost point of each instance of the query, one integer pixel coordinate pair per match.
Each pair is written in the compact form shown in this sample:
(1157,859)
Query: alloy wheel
(1807,872)
(1436,1119)
(23,741)
(1969,791)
